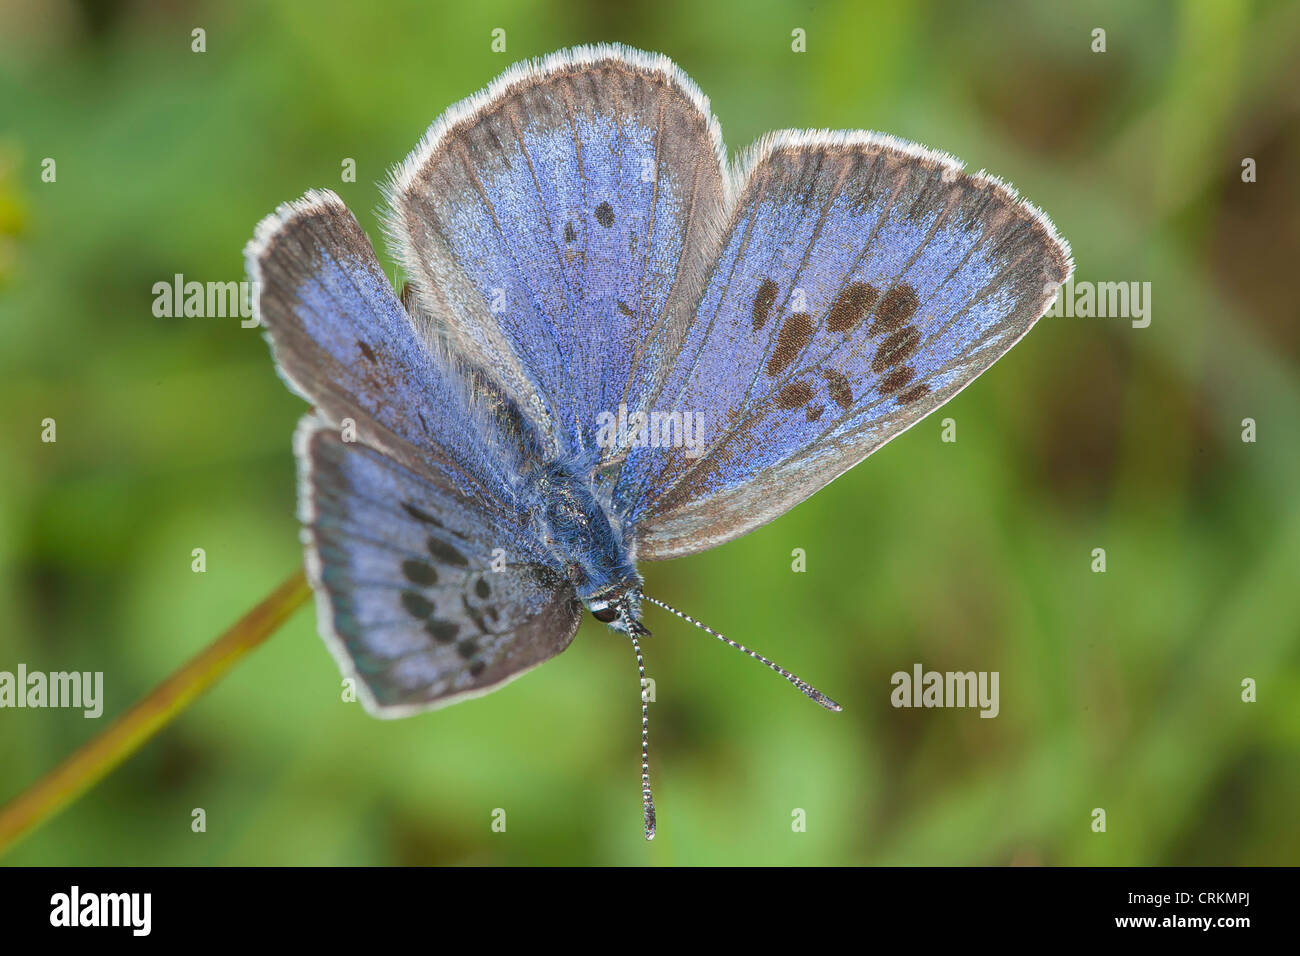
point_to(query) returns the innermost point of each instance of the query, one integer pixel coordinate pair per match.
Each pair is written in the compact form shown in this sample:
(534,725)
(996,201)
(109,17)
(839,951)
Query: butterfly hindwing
(423,597)
(557,226)
(864,282)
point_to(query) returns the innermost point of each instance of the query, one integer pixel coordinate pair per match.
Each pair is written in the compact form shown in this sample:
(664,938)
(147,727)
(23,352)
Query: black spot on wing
(896,379)
(794,395)
(419,572)
(444,553)
(605,215)
(913,393)
(421,515)
(851,306)
(417,605)
(763,300)
(790,341)
(367,351)
(570,234)
(896,309)
(444,632)
(896,348)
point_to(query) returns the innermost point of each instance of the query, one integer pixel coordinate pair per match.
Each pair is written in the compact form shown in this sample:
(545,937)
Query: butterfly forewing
(863,283)
(557,228)
(343,341)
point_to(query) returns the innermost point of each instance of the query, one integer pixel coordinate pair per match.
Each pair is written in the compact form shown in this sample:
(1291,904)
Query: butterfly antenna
(647,798)
(803,685)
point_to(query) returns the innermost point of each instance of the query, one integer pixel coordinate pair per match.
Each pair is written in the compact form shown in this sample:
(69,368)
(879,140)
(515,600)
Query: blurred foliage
(1119,690)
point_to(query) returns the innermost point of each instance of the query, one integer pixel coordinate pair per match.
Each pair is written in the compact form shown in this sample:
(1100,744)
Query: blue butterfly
(614,345)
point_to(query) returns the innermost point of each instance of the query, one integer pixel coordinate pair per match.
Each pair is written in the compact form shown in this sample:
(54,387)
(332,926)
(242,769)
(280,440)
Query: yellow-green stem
(95,759)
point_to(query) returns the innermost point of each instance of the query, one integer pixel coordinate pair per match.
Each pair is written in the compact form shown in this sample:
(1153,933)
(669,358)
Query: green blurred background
(1119,690)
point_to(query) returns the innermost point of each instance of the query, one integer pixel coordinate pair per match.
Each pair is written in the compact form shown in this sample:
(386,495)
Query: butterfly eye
(605,614)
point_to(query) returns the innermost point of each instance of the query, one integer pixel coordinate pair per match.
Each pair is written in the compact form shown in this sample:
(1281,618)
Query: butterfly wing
(343,341)
(575,229)
(430,585)
(421,596)
(864,282)
(556,228)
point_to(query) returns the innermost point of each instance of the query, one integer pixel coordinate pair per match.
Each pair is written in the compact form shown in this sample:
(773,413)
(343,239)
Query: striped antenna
(803,685)
(647,798)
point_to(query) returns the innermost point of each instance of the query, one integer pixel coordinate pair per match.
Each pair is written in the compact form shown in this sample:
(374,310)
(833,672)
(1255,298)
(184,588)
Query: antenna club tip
(825,701)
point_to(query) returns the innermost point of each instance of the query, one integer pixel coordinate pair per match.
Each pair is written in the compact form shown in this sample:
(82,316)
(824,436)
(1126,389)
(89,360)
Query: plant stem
(95,759)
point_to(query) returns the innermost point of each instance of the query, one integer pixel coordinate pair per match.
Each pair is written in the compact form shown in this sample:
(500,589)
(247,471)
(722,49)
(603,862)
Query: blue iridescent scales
(578,246)
(862,286)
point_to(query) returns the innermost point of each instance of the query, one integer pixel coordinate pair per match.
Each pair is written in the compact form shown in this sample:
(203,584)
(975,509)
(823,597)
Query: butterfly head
(620,608)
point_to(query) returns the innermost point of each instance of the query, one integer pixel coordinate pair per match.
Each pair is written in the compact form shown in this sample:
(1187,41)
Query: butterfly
(613,345)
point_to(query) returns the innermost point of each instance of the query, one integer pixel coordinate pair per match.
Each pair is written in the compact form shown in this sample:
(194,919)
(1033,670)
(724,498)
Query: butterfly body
(615,345)
(568,511)
(587,542)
